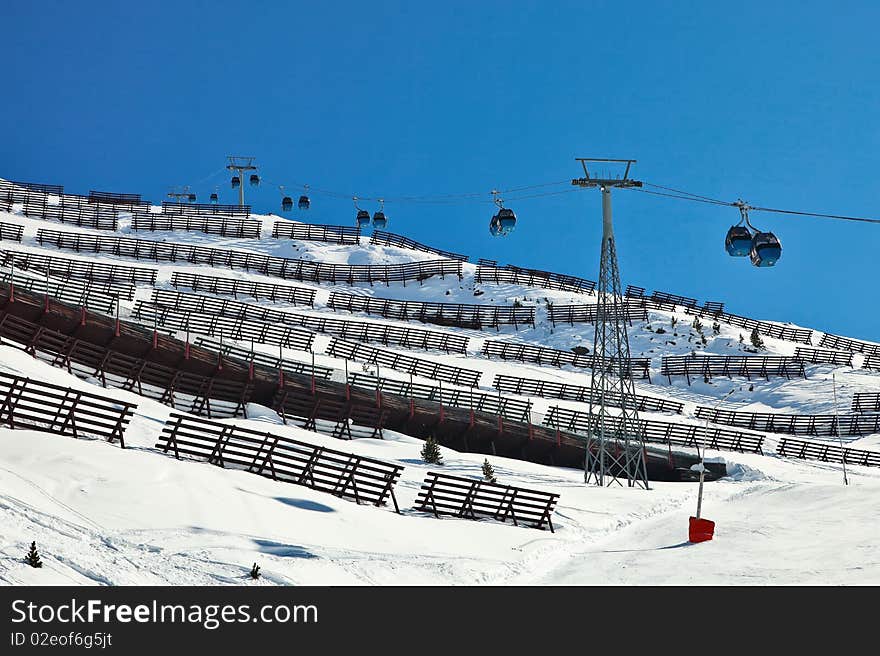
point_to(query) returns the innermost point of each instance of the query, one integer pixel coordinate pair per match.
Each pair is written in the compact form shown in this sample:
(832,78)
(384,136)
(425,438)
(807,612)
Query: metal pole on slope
(837,424)
(699,529)
(702,465)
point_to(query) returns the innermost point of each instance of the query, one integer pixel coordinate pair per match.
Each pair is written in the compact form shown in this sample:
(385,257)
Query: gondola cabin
(766,249)
(379,220)
(363,218)
(286,204)
(255,180)
(738,242)
(304,202)
(214,198)
(502,223)
(236,182)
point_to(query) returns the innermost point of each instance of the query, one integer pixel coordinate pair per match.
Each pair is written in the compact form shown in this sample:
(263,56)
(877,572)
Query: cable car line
(694,198)
(742,239)
(818,215)
(706,199)
(687,193)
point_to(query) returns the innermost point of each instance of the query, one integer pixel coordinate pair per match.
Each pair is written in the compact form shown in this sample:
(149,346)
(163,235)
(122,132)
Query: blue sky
(775,102)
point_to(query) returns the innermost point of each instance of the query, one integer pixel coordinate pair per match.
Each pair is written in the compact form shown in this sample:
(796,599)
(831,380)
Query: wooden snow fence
(382,238)
(474,498)
(792,424)
(663,432)
(37,405)
(278,267)
(333,234)
(747,366)
(345,475)
(235,287)
(826,452)
(182,390)
(866,402)
(553,390)
(11,231)
(221,226)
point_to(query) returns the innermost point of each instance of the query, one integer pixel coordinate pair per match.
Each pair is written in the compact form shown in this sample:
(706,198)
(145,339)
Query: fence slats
(788,333)
(444,314)
(664,432)
(339,348)
(413,338)
(345,475)
(10,231)
(513,409)
(551,390)
(826,452)
(37,405)
(748,366)
(497,350)
(488,271)
(824,425)
(222,226)
(473,498)
(333,234)
(866,402)
(306,270)
(181,390)
(382,238)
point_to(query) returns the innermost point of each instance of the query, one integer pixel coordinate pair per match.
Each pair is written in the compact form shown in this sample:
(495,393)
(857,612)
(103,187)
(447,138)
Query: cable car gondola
(214,198)
(504,222)
(766,249)
(286,201)
(255,180)
(236,182)
(738,241)
(763,248)
(379,220)
(192,198)
(304,202)
(363,216)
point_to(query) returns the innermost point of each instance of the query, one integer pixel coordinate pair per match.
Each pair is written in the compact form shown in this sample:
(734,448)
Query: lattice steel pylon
(615,447)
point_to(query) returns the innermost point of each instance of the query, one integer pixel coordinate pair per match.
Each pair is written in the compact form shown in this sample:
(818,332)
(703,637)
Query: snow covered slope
(102,515)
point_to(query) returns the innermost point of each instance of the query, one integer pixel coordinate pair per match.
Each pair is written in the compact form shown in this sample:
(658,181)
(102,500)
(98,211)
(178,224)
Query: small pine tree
(33,556)
(757,342)
(741,340)
(431,452)
(716,328)
(255,571)
(516,303)
(488,472)
(698,325)
(674,321)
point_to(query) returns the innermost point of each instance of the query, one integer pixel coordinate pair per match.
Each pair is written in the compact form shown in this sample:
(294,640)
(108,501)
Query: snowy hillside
(138,516)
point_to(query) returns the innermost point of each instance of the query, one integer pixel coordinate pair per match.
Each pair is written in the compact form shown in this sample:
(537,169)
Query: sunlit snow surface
(102,515)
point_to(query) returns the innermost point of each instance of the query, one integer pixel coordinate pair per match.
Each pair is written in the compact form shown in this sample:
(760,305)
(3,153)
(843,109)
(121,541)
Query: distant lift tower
(615,441)
(182,194)
(241,164)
